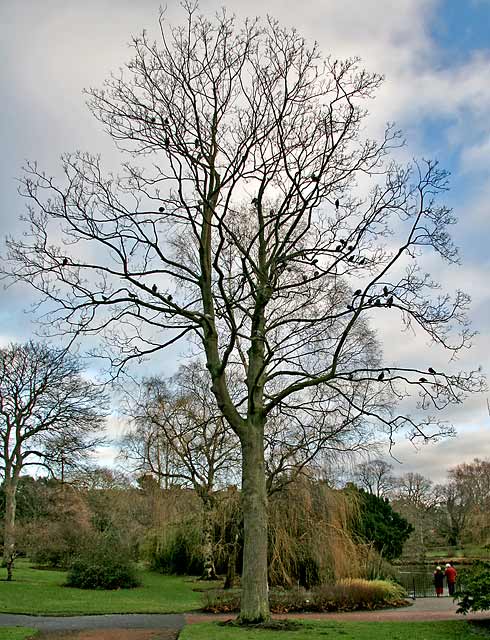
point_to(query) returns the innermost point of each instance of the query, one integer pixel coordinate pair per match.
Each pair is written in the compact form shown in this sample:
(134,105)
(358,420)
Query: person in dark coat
(439,581)
(450,574)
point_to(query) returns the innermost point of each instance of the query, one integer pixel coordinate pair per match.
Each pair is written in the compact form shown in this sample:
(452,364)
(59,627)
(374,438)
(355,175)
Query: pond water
(418,580)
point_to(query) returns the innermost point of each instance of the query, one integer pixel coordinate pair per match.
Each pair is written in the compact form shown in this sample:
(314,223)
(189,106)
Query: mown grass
(440,630)
(16,633)
(41,592)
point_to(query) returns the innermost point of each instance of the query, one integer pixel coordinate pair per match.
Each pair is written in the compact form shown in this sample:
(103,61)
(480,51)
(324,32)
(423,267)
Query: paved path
(420,609)
(74,623)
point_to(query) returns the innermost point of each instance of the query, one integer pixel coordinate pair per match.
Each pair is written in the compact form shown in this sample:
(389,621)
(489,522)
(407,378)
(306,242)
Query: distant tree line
(452,513)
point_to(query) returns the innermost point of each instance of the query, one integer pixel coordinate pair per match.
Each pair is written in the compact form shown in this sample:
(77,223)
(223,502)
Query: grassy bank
(42,593)
(440,630)
(16,633)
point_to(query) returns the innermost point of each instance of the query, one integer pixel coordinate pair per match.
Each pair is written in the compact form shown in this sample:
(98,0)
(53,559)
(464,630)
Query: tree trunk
(208,544)
(255,591)
(231,563)
(9,525)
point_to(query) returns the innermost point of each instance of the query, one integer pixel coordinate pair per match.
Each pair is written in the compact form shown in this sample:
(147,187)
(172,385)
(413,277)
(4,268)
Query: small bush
(345,595)
(102,566)
(474,594)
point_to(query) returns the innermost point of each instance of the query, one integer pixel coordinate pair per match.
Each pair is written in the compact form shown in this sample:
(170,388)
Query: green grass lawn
(16,633)
(41,592)
(453,630)
(468,551)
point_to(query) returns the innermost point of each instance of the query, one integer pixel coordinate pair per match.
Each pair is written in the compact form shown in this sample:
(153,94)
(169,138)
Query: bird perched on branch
(431,370)
(385,291)
(65,262)
(337,204)
(389,302)
(154,288)
(161,209)
(381,376)
(422,380)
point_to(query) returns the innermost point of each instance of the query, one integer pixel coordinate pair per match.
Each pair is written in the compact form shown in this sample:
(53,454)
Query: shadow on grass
(271,625)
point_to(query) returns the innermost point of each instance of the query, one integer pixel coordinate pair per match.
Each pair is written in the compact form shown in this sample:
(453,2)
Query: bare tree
(46,406)
(180,417)
(376,477)
(416,499)
(465,500)
(415,489)
(249,231)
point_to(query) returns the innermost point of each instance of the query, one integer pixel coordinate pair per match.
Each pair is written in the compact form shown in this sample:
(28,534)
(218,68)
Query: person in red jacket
(450,574)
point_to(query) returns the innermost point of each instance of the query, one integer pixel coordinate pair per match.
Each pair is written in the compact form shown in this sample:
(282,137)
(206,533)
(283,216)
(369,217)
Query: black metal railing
(417,585)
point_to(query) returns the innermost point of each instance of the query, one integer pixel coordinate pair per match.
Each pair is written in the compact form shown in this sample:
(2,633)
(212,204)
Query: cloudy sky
(435,55)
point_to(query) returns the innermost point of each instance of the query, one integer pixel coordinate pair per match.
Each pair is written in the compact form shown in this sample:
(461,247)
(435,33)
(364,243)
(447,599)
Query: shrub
(345,595)
(102,565)
(55,538)
(221,601)
(179,554)
(474,592)
(352,594)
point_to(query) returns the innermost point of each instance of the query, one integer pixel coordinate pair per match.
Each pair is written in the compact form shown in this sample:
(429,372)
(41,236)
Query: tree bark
(255,591)
(231,563)
(208,544)
(9,524)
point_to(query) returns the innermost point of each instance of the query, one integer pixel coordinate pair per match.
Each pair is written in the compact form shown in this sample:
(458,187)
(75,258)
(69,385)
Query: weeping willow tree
(311,537)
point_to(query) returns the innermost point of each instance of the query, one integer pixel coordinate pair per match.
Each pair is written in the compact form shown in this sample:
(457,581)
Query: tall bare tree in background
(376,477)
(464,502)
(48,413)
(261,223)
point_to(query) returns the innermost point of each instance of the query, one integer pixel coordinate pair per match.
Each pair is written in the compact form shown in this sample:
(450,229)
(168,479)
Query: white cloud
(435,458)
(51,50)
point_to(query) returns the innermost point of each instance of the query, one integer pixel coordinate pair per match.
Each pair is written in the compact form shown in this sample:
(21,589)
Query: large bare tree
(260,222)
(48,412)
